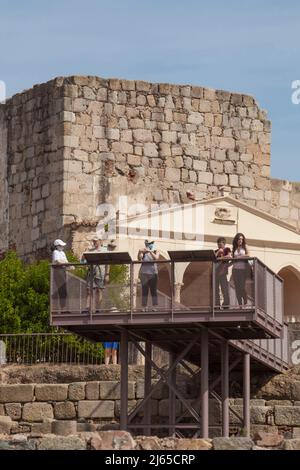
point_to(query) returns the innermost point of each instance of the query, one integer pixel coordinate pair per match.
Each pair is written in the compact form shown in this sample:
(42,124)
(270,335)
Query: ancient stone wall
(35,167)
(3,182)
(161,142)
(76,142)
(94,405)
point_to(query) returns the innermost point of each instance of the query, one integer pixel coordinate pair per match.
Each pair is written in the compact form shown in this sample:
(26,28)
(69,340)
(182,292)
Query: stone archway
(291,277)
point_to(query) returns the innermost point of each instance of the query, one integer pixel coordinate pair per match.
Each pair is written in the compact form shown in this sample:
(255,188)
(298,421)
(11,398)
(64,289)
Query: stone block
(295,390)
(291,444)
(110,390)
(131,405)
(116,440)
(92,391)
(86,427)
(142,135)
(64,428)
(112,134)
(14,410)
(194,444)
(51,392)
(287,415)
(150,150)
(6,424)
(200,165)
(232,443)
(96,409)
(169,137)
(296,433)
(172,174)
(71,141)
(221,180)
(264,439)
(37,412)
(16,393)
(64,410)
(52,442)
(42,428)
(195,118)
(76,391)
(205,177)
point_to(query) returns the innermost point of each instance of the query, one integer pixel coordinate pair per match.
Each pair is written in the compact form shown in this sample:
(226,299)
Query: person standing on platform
(240,268)
(59,274)
(97,276)
(148,273)
(222,252)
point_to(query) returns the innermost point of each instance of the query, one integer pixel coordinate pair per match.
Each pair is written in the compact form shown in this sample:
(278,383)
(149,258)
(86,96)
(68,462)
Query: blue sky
(245,46)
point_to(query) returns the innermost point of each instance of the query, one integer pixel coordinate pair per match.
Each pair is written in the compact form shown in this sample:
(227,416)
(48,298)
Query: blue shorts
(111,345)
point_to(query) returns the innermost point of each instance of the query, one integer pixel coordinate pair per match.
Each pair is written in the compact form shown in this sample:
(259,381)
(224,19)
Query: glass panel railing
(270,306)
(278,286)
(196,290)
(260,284)
(234,284)
(152,286)
(90,288)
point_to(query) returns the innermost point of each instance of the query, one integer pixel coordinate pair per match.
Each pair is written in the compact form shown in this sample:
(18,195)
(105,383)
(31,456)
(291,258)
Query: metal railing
(54,348)
(255,288)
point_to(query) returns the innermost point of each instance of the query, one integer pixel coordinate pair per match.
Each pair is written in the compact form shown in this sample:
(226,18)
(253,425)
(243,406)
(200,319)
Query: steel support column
(172,395)
(124,380)
(204,383)
(147,389)
(246,397)
(225,388)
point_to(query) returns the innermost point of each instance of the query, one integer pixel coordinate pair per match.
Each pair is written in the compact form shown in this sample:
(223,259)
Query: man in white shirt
(98,275)
(59,276)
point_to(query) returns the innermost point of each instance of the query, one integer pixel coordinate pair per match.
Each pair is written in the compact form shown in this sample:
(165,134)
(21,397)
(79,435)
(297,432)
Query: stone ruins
(68,145)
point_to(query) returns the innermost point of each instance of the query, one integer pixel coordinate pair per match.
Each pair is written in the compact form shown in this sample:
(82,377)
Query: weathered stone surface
(37,412)
(291,444)
(232,443)
(52,442)
(38,429)
(76,391)
(16,393)
(116,440)
(194,444)
(287,415)
(14,410)
(110,390)
(96,409)
(51,392)
(5,424)
(86,427)
(64,428)
(17,442)
(64,410)
(264,439)
(295,390)
(92,391)
(148,443)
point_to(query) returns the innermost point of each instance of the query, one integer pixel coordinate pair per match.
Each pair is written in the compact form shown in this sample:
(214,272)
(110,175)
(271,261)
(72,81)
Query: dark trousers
(60,283)
(221,281)
(149,283)
(239,279)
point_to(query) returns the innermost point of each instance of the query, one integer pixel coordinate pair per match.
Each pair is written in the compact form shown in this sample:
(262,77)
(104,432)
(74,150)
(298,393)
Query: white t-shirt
(59,257)
(239,264)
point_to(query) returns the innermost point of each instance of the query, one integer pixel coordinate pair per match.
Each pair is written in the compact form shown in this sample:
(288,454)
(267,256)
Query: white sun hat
(59,242)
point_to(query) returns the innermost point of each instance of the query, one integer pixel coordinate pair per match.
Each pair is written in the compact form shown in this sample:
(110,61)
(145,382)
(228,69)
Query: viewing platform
(189,319)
